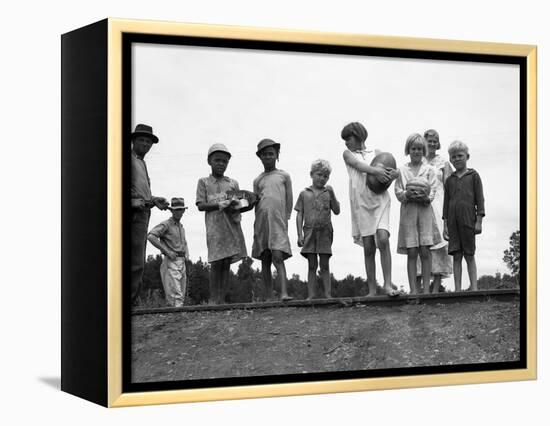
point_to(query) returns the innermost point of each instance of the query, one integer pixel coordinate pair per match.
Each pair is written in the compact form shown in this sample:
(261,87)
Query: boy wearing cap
(142,201)
(169,238)
(224,236)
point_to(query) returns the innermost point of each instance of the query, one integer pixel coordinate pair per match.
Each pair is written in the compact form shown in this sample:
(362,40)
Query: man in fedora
(142,202)
(169,238)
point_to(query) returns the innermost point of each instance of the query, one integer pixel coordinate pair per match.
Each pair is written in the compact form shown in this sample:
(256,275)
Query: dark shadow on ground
(54,382)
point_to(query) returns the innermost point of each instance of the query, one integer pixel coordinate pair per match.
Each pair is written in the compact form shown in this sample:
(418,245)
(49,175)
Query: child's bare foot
(370,295)
(389,291)
(328,296)
(286,298)
(309,298)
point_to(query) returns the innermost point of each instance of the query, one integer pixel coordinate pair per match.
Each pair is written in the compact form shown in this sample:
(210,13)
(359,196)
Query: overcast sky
(196,96)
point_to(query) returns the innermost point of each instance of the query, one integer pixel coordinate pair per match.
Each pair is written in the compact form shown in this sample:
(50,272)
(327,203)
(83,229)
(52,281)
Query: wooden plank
(464,296)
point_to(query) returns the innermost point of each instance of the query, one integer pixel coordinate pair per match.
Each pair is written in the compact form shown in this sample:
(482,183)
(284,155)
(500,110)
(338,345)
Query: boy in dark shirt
(463,212)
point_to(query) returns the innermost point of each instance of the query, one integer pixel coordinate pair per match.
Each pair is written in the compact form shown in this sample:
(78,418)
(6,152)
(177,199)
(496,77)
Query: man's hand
(171,255)
(160,202)
(445,232)
(138,203)
(300,240)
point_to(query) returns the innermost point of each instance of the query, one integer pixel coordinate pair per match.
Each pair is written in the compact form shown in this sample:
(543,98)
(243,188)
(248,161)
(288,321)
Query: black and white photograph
(306,214)
(285,212)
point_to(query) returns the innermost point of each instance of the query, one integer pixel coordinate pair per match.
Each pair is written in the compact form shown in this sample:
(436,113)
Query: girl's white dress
(441,261)
(369,211)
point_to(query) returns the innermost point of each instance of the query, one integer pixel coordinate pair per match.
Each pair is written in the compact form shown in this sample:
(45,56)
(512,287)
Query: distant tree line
(244,286)
(497,281)
(511,255)
(511,258)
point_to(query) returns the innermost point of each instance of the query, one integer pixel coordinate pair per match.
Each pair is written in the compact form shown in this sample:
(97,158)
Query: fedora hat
(218,147)
(265,143)
(145,130)
(177,204)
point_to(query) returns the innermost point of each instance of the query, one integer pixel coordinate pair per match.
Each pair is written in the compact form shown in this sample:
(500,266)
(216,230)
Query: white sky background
(196,96)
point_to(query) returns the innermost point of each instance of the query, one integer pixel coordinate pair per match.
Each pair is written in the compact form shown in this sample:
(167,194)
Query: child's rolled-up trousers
(174,280)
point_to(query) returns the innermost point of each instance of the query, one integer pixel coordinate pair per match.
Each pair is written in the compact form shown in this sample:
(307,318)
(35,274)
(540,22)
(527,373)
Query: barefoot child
(224,236)
(273,209)
(463,212)
(415,189)
(169,238)
(314,226)
(442,263)
(370,212)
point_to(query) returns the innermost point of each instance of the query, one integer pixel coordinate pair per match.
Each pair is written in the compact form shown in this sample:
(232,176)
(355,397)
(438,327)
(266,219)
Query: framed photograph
(255,212)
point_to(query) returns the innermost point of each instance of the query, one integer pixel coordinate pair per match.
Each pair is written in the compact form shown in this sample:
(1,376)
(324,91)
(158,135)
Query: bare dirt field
(290,340)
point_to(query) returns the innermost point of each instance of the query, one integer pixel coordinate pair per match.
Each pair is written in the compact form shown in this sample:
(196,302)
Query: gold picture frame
(107,389)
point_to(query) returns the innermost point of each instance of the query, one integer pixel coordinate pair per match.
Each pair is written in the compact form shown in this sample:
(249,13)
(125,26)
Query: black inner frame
(129,38)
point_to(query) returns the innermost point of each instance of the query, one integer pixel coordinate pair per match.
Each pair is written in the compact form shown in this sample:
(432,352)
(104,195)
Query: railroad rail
(464,296)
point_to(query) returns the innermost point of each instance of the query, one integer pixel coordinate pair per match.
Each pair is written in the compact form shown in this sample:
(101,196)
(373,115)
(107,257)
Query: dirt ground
(236,343)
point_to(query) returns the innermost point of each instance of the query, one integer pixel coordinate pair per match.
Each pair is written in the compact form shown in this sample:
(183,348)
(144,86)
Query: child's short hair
(458,146)
(354,129)
(433,132)
(414,139)
(321,165)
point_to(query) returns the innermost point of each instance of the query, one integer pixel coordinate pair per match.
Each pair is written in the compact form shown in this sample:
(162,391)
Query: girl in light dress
(418,230)
(442,265)
(370,212)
